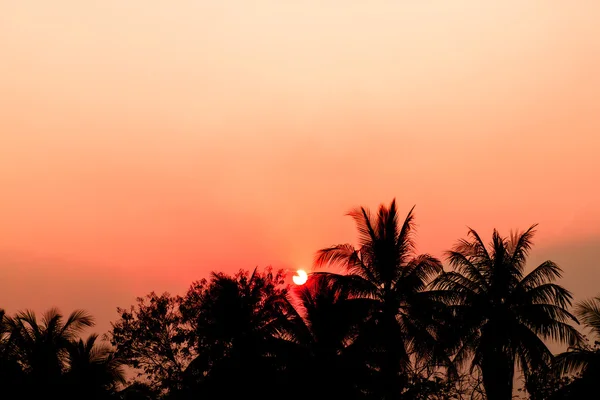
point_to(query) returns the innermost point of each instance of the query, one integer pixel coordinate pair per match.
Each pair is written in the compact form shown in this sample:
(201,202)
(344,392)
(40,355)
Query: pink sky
(145,143)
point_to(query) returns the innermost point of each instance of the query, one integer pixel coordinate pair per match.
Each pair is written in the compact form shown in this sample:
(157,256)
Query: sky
(144,144)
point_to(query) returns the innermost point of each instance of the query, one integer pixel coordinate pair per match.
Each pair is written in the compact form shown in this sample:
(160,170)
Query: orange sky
(145,143)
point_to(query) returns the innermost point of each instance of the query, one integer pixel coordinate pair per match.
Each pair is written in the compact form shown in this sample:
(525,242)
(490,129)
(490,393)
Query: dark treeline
(392,325)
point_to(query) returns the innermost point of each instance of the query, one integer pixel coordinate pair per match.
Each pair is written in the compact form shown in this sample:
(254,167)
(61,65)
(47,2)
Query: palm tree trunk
(393,371)
(497,370)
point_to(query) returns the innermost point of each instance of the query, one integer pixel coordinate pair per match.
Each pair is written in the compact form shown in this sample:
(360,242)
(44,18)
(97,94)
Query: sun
(300,277)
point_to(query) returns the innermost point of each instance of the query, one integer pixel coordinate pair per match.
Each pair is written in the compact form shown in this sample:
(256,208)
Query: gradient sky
(145,143)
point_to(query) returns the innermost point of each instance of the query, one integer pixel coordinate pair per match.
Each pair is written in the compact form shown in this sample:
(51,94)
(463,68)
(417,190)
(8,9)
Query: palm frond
(461,262)
(423,267)
(28,317)
(574,360)
(499,252)
(469,249)
(52,322)
(588,312)
(3,324)
(77,321)
(533,354)
(520,245)
(405,241)
(550,311)
(353,285)
(346,256)
(115,369)
(423,343)
(481,250)
(455,282)
(26,326)
(447,297)
(548,271)
(467,345)
(387,222)
(364,225)
(547,293)
(91,340)
(549,322)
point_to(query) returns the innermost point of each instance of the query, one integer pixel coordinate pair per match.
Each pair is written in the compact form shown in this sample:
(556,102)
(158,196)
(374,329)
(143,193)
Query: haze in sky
(146,143)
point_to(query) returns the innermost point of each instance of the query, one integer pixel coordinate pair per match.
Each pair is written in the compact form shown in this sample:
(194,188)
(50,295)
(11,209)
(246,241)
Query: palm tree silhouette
(583,358)
(42,348)
(385,271)
(326,355)
(94,372)
(11,373)
(501,315)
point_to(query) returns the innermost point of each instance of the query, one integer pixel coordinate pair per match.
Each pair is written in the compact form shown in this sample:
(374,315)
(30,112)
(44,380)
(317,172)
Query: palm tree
(386,271)
(94,372)
(11,373)
(500,315)
(583,358)
(42,348)
(325,353)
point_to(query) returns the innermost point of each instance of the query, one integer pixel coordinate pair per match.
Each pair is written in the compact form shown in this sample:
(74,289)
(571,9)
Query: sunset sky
(146,143)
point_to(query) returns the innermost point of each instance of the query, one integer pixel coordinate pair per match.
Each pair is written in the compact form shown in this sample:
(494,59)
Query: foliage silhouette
(149,337)
(546,384)
(42,348)
(94,370)
(11,371)
(390,325)
(385,271)
(501,315)
(325,353)
(583,359)
(236,325)
(46,360)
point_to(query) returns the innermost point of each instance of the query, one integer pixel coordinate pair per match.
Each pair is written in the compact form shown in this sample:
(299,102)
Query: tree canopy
(375,320)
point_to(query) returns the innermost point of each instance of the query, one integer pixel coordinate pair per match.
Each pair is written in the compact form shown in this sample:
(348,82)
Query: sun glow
(300,277)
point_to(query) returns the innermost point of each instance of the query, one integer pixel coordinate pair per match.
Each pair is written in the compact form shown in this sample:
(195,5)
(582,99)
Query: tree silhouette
(11,373)
(501,315)
(236,322)
(150,337)
(94,371)
(583,358)
(326,354)
(389,324)
(42,348)
(385,270)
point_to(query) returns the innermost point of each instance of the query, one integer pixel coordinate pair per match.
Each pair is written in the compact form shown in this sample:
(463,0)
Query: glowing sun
(300,277)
